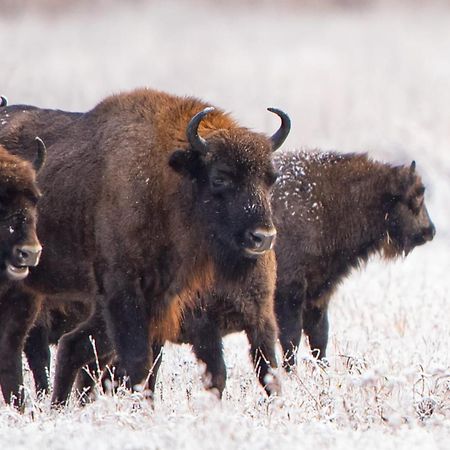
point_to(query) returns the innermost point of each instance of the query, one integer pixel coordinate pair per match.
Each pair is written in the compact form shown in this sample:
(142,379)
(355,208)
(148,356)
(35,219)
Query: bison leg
(18,312)
(87,377)
(37,351)
(315,325)
(76,350)
(207,346)
(288,307)
(157,359)
(128,326)
(262,346)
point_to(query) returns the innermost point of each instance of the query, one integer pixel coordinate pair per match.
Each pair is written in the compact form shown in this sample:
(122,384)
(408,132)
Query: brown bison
(20,249)
(332,212)
(149,199)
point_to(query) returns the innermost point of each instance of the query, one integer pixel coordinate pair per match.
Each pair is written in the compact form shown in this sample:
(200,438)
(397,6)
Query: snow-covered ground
(376,81)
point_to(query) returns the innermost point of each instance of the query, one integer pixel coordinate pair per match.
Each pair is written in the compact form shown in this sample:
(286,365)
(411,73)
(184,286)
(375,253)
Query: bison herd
(155,218)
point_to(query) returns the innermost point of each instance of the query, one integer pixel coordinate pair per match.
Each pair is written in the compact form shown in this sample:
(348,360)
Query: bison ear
(185,162)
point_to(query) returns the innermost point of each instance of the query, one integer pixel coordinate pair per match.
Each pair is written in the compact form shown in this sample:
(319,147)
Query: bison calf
(334,211)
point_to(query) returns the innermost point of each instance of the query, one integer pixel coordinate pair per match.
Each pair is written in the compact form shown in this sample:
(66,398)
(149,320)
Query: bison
(149,199)
(333,212)
(20,250)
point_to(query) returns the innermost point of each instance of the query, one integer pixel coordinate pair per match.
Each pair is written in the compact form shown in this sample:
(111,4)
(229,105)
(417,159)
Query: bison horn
(280,136)
(412,167)
(3,101)
(197,142)
(41,154)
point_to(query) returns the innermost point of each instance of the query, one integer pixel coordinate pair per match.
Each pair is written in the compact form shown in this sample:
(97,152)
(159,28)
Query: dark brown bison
(20,249)
(333,212)
(149,199)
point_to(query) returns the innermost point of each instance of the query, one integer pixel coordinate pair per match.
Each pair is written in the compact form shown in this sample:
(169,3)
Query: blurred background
(369,75)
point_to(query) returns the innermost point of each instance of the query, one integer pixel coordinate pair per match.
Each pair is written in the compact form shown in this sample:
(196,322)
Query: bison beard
(138,239)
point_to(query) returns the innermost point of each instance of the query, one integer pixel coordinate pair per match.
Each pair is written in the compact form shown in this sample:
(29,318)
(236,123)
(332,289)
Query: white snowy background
(372,78)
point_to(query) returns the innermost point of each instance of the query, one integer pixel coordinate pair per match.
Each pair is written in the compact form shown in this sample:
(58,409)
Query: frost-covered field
(368,80)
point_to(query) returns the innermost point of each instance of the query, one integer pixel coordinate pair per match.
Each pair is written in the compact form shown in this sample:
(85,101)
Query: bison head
(408,222)
(232,176)
(19,245)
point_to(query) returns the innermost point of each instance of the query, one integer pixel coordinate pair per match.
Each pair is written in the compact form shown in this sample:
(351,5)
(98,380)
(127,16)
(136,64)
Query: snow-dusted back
(354,80)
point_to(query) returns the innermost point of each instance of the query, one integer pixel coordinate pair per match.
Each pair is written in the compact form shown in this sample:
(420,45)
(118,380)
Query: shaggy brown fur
(250,309)
(117,221)
(18,199)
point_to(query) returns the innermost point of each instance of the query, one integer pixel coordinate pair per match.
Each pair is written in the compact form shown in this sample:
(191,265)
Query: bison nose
(428,233)
(27,255)
(261,240)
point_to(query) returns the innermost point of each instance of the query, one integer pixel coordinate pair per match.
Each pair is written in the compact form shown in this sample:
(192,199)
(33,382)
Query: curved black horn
(280,136)
(3,101)
(41,154)
(196,141)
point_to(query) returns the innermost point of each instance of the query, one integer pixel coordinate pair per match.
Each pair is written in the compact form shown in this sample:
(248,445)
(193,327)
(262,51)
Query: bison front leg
(75,350)
(18,312)
(262,348)
(37,351)
(207,345)
(315,325)
(92,375)
(128,324)
(157,351)
(288,308)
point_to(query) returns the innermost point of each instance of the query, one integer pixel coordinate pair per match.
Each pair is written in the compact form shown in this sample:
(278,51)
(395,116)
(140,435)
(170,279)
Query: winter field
(375,80)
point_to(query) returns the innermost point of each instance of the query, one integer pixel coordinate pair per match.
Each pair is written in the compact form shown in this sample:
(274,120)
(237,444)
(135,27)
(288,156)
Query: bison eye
(219,183)
(415,206)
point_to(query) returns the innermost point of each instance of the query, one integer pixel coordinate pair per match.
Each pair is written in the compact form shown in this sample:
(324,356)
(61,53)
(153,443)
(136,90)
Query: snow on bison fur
(149,199)
(20,249)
